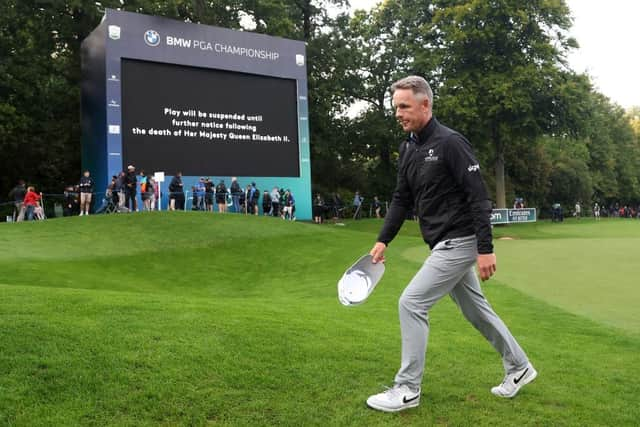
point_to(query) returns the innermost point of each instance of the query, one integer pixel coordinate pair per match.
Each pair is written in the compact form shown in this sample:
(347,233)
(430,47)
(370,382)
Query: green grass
(585,267)
(191,319)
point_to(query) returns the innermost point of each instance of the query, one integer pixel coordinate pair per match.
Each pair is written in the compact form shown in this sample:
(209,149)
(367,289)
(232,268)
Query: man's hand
(378,252)
(486,265)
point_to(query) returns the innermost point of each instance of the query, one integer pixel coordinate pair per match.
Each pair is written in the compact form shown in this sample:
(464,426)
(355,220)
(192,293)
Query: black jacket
(175,186)
(439,176)
(18,192)
(131,182)
(235,189)
(221,190)
(86,184)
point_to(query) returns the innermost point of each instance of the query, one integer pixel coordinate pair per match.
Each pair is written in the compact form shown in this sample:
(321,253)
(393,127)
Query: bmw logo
(152,38)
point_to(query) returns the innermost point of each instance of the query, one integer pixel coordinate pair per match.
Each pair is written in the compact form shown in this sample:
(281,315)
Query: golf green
(588,268)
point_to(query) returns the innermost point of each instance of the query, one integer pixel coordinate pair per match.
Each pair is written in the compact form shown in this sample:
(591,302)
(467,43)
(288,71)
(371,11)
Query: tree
(373,49)
(502,71)
(633,115)
(570,178)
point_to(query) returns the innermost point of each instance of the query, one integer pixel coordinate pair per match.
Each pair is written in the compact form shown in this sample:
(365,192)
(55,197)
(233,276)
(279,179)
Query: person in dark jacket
(266,203)
(289,204)
(86,191)
(209,190)
(17,193)
(338,206)
(439,175)
(253,195)
(221,196)
(176,193)
(318,209)
(131,189)
(236,193)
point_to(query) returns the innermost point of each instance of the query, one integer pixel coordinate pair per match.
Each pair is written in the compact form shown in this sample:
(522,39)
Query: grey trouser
(449,270)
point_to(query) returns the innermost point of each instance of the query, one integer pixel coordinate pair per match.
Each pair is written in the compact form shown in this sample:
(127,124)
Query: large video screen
(208,122)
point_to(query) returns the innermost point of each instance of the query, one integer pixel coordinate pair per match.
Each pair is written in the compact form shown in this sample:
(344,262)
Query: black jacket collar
(425,133)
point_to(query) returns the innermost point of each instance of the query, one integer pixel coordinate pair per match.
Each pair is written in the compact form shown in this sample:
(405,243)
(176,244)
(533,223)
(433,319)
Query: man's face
(86,174)
(411,112)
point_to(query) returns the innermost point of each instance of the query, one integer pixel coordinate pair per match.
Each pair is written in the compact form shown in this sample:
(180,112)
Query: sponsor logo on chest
(431,157)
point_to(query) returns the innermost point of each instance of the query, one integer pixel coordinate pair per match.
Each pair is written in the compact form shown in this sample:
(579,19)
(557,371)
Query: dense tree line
(498,69)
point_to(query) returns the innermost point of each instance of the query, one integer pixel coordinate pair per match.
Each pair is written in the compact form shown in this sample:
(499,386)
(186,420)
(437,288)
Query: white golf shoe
(513,382)
(395,399)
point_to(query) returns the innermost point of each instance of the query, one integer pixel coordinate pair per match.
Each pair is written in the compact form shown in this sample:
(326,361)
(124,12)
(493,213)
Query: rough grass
(194,319)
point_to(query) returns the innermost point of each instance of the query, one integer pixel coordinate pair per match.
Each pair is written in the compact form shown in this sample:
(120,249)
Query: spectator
(377,207)
(596,211)
(111,188)
(194,198)
(119,188)
(338,206)
(253,195)
(275,202)
(208,194)
(357,205)
(176,193)
(155,193)
(289,205)
(518,203)
(221,196)
(109,198)
(70,201)
(242,201)
(557,215)
(17,193)
(142,181)
(578,210)
(148,192)
(266,203)
(236,192)
(318,208)
(130,189)
(31,202)
(198,196)
(86,190)
(142,185)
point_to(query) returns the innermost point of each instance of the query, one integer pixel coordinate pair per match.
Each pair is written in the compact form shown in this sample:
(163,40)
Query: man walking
(439,175)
